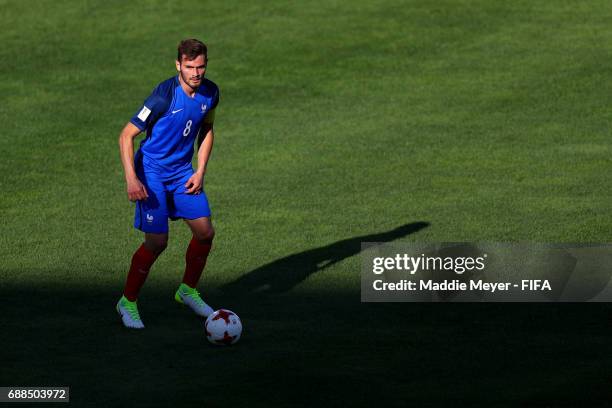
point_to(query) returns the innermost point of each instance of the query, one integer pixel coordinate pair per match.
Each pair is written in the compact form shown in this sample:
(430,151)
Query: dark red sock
(195,260)
(141,264)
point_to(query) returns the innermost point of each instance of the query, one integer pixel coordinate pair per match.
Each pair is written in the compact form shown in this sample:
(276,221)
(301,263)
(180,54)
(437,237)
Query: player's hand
(136,191)
(194,184)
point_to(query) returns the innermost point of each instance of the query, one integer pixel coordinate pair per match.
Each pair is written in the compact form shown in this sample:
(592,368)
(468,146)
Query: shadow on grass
(285,273)
(315,349)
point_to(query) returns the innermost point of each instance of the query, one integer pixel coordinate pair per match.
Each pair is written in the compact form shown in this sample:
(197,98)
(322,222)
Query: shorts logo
(149,218)
(144,113)
(203,108)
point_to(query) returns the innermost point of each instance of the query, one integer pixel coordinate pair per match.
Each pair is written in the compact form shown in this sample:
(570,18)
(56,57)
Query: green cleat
(191,297)
(129,314)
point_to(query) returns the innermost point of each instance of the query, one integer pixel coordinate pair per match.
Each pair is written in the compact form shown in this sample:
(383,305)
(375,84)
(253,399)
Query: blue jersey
(172,121)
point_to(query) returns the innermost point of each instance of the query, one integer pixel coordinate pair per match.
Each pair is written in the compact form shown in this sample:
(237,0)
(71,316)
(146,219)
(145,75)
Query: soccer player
(162,181)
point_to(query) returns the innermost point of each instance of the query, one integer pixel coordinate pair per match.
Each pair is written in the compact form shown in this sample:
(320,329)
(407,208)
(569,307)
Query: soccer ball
(223,327)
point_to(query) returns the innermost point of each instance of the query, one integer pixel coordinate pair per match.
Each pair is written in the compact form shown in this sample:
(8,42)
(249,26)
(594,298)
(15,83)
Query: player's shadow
(285,273)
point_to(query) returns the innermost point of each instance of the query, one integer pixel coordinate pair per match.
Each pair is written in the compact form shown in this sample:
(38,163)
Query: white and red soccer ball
(223,327)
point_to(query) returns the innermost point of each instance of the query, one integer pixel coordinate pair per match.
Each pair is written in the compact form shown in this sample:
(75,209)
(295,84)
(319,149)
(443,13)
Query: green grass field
(339,121)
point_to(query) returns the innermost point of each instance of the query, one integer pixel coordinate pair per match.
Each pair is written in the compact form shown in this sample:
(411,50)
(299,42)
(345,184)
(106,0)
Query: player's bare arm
(135,189)
(195,182)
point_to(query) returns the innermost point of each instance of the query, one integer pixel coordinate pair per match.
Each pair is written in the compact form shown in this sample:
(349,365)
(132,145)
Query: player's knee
(205,235)
(157,244)
(162,245)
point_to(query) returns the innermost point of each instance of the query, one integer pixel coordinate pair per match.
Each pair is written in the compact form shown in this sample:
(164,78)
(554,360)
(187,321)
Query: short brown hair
(191,49)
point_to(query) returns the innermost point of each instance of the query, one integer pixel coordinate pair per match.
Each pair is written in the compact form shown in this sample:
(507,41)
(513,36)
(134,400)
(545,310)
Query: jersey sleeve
(152,109)
(209,119)
(215,98)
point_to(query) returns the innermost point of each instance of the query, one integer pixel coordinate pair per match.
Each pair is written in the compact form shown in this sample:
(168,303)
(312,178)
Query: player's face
(192,71)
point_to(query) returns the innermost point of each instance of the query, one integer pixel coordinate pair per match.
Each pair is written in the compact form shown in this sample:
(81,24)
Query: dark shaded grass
(305,349)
